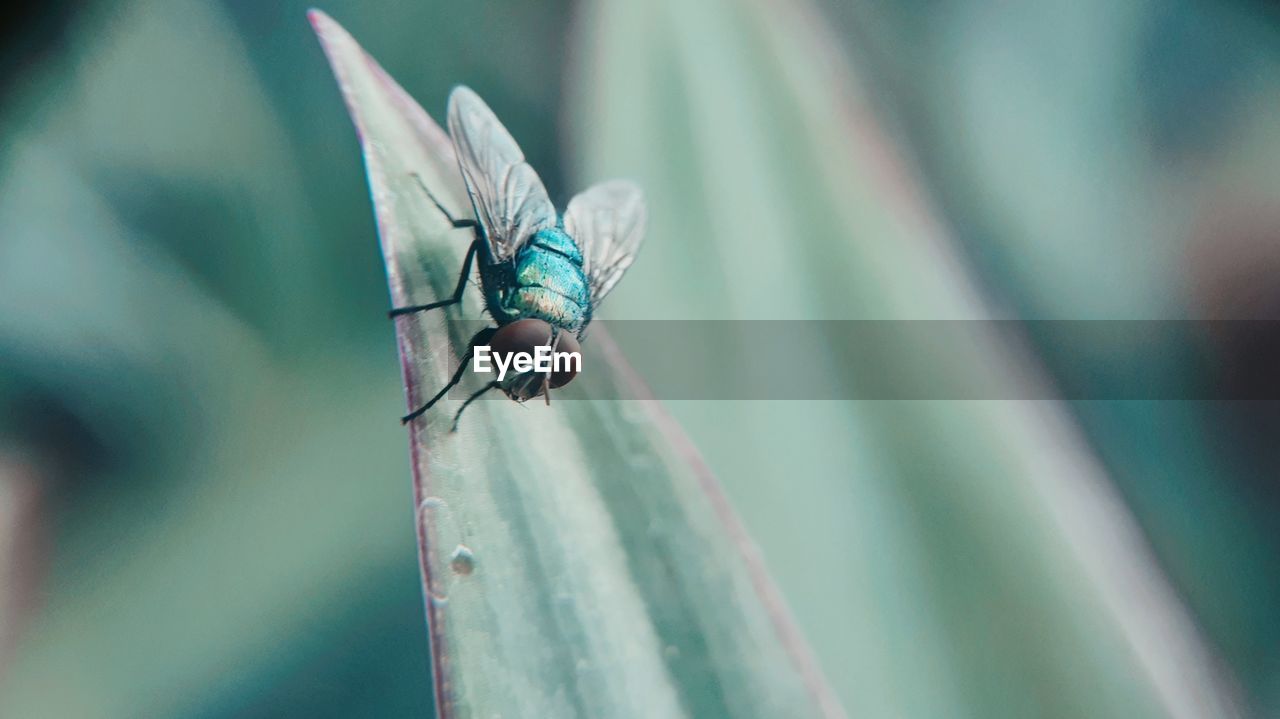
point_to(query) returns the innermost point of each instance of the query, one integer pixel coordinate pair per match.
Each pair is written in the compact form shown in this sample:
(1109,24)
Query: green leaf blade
(578,560)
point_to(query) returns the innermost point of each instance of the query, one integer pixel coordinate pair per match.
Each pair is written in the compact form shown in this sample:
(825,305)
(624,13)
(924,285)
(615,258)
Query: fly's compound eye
(562,374)
(525,336)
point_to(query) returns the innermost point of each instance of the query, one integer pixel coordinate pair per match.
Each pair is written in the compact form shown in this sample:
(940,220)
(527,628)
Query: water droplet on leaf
(462,561)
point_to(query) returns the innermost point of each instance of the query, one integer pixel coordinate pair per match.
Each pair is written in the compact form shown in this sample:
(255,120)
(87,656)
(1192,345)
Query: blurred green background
(204,494)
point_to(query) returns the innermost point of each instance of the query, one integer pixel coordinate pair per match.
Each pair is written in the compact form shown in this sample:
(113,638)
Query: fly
(543,274)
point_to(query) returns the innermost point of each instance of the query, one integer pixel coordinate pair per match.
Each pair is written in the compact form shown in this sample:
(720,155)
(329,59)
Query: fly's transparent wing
(608,222)
(509,199)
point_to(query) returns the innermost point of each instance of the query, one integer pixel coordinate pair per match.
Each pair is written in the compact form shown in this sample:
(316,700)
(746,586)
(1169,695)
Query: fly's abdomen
(547,305)
(552,272)
(550,284)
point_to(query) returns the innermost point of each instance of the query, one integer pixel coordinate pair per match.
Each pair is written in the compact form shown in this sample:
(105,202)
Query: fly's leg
(466,264)
(480,338)
(492,385)
(457,291)
(457,224)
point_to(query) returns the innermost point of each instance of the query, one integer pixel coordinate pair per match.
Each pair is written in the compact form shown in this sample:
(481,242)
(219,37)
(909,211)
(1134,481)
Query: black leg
(480,338)
(452,220)
(457,291)
(492,385)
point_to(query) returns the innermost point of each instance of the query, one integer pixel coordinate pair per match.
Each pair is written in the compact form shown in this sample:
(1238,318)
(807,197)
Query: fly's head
(525,337)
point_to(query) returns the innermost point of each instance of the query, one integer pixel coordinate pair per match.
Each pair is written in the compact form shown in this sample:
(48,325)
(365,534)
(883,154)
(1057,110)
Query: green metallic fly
(543,274)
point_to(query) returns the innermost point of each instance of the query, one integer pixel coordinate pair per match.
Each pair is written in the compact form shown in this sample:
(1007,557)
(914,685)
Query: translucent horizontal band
(927,359)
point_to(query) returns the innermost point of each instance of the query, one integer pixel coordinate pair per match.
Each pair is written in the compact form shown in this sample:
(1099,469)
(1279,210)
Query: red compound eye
(527,335)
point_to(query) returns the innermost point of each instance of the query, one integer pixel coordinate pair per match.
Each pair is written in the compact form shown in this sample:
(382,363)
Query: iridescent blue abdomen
(547,283)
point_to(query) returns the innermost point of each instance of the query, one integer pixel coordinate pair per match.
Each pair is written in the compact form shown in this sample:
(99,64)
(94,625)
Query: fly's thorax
(497,280)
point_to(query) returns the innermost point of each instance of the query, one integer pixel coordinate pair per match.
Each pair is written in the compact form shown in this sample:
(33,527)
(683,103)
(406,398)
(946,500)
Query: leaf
(578,559)
(975,559)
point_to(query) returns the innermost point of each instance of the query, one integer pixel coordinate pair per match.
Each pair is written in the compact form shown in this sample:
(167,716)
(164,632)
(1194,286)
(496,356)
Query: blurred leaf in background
(1115,161)
(191,317)
(936,534)
(190,276)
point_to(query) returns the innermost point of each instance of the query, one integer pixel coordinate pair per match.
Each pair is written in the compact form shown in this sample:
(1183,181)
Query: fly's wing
(509,200)
(608,222)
